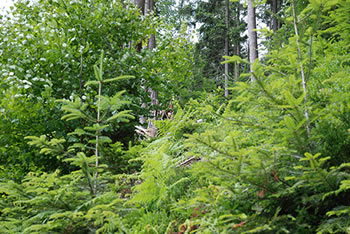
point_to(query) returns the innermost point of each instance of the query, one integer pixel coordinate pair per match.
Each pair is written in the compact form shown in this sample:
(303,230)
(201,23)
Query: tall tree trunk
(302,72)
(140,4)
(237,50)
(149,6)
(227,17)
(252,36)
(275,7)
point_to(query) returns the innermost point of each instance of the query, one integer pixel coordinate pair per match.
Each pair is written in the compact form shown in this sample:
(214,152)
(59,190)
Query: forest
(175,116)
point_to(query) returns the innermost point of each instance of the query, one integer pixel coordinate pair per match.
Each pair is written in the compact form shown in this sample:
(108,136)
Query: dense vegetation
(272,157)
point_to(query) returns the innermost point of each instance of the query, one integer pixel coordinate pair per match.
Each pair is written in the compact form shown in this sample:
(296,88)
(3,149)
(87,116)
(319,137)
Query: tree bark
(140,4)
(152,40)
(227,17)
(237,50)
(149,7)
(275,7)
(252,36)
(146,6)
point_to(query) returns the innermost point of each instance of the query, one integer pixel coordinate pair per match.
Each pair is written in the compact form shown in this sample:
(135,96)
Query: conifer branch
(225,153)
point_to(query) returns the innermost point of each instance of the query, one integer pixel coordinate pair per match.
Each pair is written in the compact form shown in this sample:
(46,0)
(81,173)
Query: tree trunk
(227,17)
(140,4)
(303,79)
(252,36)
(149,6)
(275,7)
(237,50)
(146,6)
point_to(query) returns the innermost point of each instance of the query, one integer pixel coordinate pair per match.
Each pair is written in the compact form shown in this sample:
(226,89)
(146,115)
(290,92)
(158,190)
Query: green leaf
(118,78)
(78,145)
(290,123)
(290,98)
(122,114)
(96,127)
(92,82)
(97,73)
(78,132)
(104,139)
(315,4)
(234,59)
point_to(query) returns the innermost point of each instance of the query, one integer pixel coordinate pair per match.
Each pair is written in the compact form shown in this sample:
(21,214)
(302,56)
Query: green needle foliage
(273,157)
(45,201)
(261,165)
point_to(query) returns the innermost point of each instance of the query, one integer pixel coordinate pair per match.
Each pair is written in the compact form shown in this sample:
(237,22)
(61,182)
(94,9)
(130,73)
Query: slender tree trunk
(149,6)
(275,5)
(146,6)
(140,5)
(279,4)
(252,36)
(303,79)
(227,17)
(98,133)
(237,50)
